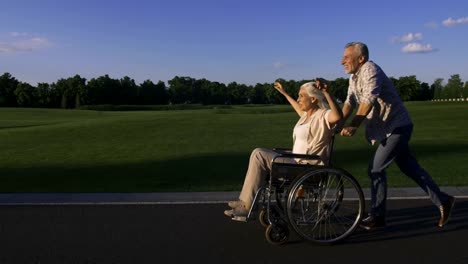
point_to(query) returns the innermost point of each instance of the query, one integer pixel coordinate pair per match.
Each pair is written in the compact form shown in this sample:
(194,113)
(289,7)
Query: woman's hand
(293,102)
(280,88)
(321,84)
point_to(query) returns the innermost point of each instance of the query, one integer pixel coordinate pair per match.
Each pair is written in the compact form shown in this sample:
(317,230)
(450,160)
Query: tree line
(76,91)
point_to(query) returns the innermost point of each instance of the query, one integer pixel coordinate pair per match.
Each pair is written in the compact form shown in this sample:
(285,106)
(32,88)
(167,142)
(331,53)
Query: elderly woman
(318,115)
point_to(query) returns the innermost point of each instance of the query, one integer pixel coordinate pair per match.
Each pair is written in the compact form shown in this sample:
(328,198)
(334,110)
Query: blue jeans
(396,148)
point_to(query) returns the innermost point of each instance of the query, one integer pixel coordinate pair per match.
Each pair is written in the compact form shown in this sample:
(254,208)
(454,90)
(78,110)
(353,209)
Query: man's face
(351,60)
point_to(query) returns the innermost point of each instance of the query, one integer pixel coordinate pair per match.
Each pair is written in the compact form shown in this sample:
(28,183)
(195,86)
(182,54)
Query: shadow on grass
(347,157)
(215,172)
(445,163)
(26,126)
(191,173)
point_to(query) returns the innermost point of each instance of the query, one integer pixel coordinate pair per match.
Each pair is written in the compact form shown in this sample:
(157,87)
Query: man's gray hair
(361,48)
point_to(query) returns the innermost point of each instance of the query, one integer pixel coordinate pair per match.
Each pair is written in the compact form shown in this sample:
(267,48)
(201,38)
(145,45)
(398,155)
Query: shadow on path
(415,222)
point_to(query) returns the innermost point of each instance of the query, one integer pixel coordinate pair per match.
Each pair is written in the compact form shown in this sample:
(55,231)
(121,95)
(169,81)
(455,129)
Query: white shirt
(301,132)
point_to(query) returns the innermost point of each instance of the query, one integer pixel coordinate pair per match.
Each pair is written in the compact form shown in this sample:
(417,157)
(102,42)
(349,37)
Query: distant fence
(451,100)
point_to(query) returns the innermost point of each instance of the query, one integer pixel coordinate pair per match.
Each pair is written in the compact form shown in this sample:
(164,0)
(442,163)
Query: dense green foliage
(52,150)
(76,91)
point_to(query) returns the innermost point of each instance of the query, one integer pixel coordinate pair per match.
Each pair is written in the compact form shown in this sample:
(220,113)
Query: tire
(263,218)
(325,205)
(275,217)
(277,234)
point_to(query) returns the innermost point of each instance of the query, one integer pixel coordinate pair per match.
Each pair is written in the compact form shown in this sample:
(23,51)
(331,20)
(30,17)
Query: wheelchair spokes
(323,205)
(323,216)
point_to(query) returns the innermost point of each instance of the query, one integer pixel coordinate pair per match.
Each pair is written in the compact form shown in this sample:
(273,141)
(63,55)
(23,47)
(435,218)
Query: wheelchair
(322,204)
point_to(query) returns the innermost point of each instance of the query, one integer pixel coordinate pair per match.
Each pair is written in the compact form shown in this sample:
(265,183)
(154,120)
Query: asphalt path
(200,233)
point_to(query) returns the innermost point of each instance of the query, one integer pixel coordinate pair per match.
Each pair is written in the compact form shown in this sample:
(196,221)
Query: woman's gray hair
(361,48)
(314,92)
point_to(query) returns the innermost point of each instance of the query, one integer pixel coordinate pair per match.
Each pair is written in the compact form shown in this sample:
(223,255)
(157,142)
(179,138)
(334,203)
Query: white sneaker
(229,213)
(238,214)
(240,211)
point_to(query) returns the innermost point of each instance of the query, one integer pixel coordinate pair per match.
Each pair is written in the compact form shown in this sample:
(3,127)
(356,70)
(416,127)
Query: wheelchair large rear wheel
(325,205)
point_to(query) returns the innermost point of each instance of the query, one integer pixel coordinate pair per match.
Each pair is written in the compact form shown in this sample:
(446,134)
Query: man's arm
(347,110)
(361,113)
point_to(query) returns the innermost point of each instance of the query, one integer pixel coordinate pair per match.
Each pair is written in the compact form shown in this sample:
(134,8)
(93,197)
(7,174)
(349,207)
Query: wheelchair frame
(323,204)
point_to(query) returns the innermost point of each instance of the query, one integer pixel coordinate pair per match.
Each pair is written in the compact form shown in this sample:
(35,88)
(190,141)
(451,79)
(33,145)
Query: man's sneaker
(445,210)
(373,222)
(234,204)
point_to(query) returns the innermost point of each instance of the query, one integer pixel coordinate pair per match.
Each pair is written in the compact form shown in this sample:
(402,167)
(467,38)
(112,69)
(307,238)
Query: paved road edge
(177,197)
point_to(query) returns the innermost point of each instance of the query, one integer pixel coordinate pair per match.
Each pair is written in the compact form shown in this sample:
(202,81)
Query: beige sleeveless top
(313,136)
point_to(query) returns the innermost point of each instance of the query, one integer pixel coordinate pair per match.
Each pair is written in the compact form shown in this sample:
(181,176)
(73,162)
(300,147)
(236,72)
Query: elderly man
(388,124)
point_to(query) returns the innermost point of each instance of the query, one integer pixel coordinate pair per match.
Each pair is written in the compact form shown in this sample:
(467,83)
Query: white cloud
(28,44)
(279,65)
(450,22)
(18,34)
(4,48)
(408,37)
(415,47)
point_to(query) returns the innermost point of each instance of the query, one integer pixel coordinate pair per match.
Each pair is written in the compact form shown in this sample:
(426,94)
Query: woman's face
(304,100)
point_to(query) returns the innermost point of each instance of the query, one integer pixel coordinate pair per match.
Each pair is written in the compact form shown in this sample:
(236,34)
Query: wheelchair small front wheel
(274,216)
(263,218)
(277,234)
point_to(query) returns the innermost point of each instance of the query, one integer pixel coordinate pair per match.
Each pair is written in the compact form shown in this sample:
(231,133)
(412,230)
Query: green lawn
(48,150)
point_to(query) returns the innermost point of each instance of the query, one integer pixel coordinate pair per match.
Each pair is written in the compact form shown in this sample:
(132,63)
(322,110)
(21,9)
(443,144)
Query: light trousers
(257,173)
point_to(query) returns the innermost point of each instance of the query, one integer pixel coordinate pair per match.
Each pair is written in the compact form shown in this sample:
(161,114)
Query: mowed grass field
(50,150)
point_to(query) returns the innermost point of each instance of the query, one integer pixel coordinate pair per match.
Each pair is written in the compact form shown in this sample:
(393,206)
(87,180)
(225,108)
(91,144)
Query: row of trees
(76,91)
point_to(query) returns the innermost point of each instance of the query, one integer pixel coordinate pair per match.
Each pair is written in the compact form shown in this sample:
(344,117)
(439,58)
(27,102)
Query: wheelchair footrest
(239,218)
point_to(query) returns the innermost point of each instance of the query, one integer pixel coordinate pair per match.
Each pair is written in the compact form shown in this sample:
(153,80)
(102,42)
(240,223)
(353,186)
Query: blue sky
(246,41)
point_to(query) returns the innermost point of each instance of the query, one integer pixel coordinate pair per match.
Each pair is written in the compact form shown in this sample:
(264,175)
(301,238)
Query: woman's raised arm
(293,102)
(336,114)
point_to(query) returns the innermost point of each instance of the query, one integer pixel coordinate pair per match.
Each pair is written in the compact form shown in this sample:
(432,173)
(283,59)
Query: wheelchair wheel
(275,216)
(325,205)
(263,218)
(277,234)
